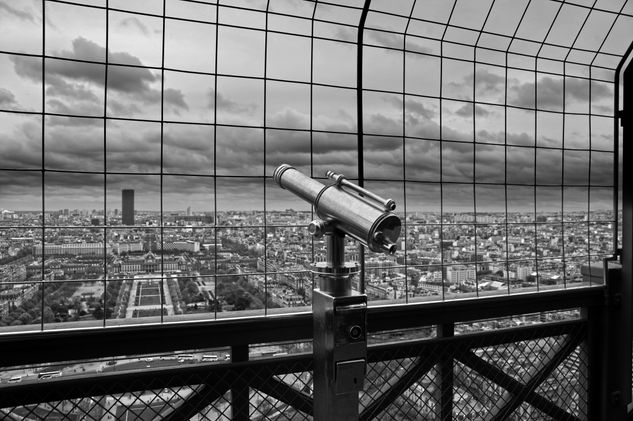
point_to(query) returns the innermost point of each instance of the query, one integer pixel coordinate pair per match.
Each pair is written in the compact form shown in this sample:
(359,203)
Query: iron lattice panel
(301,381)
(474,396)
(418,402)
(219,410)
(567,385)
(508,374)
(137,405)
(380,376)
(197,394)
(265,407)
(545,378)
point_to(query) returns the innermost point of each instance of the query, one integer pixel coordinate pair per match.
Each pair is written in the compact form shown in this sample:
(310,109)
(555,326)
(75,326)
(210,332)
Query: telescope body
(340,316)
(362,218)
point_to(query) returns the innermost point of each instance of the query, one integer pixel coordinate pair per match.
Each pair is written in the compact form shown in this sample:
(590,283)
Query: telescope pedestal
(340,339)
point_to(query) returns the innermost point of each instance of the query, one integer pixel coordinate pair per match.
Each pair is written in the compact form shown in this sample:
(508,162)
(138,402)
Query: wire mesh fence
(531,372)
(490,124)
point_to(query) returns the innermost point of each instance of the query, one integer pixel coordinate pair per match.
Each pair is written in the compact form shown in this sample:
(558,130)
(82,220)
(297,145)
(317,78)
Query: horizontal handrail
(77,344)
(221,375)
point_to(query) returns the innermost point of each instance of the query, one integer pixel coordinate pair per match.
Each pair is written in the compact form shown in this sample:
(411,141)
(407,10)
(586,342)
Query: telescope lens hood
(278,173)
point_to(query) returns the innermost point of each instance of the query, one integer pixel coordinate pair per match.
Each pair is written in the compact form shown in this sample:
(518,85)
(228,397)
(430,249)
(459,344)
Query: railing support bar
(496,375)
(285,393)
(446,330)
(413,374)
(626,119)
(239,391)
(616,361)
(592,357)
(200,398)
(514,398)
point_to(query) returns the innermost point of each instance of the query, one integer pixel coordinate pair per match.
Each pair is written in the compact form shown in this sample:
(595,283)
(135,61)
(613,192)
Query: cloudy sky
(167,113)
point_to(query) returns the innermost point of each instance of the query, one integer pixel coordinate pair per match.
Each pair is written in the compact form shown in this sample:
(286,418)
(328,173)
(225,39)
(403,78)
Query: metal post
(607,349)
(626,284)
(446,330)
(592,360)
(340,342)
(239,391)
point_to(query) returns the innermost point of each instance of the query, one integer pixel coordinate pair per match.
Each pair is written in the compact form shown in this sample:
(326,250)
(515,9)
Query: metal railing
(527,356)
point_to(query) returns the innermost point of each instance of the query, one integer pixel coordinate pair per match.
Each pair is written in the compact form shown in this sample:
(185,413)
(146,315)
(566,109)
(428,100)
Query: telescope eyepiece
(389,248)
(318,228)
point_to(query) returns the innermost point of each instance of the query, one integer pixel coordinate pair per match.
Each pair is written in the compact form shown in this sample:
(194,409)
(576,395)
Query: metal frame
(603,334)
(210,382)
(62,345)
(362,43)
(622,391)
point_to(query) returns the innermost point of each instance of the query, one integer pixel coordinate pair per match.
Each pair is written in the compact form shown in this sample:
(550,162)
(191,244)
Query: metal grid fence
(492,125)
(534,373)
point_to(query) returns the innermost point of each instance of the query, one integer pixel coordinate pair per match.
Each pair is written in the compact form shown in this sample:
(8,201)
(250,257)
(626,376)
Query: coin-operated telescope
(339,313)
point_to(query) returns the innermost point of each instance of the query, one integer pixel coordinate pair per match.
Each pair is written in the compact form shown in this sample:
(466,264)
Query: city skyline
(248,194)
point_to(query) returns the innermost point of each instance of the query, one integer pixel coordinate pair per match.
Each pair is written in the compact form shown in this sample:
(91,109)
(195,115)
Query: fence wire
(486,375)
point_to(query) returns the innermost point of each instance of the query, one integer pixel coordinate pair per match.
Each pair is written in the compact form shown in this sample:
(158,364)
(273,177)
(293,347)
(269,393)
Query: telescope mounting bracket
(334,273)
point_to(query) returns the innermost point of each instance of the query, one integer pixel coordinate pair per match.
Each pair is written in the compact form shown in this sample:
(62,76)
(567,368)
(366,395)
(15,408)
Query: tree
(243,302)
(25,318)
(49,316)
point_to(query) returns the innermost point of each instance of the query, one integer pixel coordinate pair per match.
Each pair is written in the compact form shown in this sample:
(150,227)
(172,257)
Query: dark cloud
(72,81)
(488,167)
(520,139)
(20,190)
(412,45)
(21,145)
(465,111)
(229,106)
(123,109)
(289,118)
(576,171)
(61,88)
(522,95)
(7,99)
(578,89)
(488,136)
(457,161)
(550,92)
(520,165)
(134,22)
(385,39)
(27,67)
(132,80)
(20,14)
(241,151)
(188,150)
(345,33)
(381,124)
(418,108)
(53,121)
(175,98)
(486,81)
(481,112)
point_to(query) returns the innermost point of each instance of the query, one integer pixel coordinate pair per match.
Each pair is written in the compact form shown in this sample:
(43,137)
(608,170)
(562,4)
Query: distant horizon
(483,212)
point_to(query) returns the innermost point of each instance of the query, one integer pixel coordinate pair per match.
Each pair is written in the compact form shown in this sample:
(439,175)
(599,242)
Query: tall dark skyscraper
(127,213)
